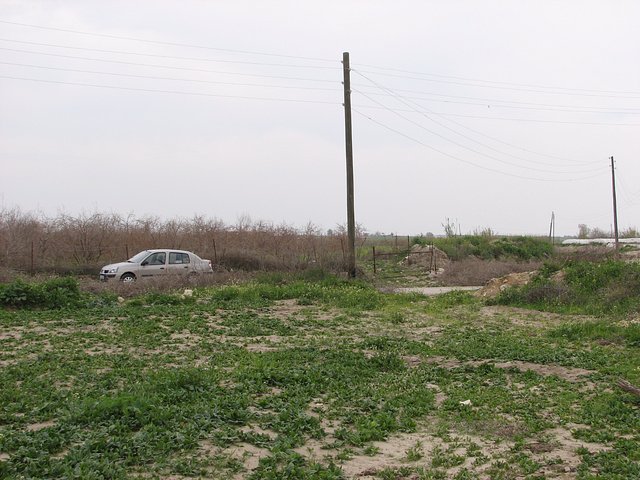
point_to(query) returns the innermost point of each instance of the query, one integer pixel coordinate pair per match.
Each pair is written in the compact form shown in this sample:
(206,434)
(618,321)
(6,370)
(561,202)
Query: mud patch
(558,451)
(284,309)
(412,361)
(393,454)
(268,343)
(522,316)
(569,374)
(245,453)
(35,427)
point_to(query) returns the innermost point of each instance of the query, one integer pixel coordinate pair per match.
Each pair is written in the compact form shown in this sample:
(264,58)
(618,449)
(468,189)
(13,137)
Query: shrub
(486,247)
(55,293)
(611,286)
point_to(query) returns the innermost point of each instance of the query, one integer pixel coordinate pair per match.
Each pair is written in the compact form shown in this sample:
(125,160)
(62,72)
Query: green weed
(54,293)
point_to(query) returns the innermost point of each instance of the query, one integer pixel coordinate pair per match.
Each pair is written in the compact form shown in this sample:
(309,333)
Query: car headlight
(113,270)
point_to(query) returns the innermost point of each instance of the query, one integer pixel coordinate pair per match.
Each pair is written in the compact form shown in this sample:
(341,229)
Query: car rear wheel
(128,278)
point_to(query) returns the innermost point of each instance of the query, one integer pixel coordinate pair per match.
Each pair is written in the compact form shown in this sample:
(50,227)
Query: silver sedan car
(157,262)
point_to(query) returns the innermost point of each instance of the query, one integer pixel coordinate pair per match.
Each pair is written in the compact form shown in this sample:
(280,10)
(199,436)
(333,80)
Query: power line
(541,121)
(167,78)
(413,139)
(121,62)
(484,117)
(506,104)
(469,148)
(497,82)
(490,100)
(502,141)
(500,87)
(159,42)
(175,92)
(316,59)
(409,104)
(122,52)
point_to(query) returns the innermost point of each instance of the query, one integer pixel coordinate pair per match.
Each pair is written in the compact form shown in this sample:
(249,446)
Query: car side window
(157,258)
(178,258)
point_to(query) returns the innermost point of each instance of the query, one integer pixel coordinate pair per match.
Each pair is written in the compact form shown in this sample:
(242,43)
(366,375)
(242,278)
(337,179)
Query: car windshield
(137,258)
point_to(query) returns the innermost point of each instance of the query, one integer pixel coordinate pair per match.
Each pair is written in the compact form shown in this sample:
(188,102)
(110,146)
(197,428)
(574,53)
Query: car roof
(153,250)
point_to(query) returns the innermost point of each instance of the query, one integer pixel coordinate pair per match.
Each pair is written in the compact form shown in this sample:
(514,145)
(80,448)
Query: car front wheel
(128,278)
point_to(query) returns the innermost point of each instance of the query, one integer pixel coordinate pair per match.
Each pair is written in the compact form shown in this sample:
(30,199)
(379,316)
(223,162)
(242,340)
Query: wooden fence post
(373,248)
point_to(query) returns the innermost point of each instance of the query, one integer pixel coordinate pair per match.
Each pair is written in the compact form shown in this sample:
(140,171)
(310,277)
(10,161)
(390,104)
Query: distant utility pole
(615,207)
(552,228)
(351,217)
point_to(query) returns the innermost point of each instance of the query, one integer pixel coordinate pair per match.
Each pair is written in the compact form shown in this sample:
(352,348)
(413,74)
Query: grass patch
(489,247)
(54,293)
(241,380)
(609,287)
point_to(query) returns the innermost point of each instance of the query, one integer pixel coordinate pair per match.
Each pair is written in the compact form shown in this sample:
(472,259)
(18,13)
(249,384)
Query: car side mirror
(144,263)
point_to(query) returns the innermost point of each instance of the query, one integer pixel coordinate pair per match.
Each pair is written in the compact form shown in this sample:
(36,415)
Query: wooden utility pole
(615,207)
(351,218)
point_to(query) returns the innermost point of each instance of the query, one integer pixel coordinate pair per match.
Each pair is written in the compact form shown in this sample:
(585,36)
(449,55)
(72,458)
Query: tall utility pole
(615,207)
(552,228)
(351,217)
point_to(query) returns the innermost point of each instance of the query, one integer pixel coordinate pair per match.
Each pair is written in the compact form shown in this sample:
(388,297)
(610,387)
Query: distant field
(315,380)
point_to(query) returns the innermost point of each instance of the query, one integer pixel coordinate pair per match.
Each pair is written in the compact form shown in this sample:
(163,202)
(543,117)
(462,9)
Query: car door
(179,263)
(155,264)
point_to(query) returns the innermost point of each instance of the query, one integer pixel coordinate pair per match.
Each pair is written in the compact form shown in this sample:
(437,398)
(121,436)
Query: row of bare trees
(34,242)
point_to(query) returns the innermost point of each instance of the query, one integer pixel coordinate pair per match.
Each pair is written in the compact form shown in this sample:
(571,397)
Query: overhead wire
(395,95)
(455,157)
(505,104)
(316,59)
(496,81)
(170,67)
(172,57)
(151,77)
(175,92)
(634,95)
(473,150)
(159,42)
(462,135)
(532,120)
(631,196)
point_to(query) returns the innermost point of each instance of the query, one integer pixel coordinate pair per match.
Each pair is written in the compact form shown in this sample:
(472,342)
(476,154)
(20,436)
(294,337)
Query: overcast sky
(488,113)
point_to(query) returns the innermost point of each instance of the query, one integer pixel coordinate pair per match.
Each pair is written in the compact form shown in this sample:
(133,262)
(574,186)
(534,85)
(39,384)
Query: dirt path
(430,291)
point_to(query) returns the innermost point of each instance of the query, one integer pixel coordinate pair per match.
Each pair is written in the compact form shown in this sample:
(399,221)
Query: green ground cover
(314,380)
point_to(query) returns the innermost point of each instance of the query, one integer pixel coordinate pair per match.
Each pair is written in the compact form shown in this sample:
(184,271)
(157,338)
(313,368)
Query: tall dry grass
(33,242)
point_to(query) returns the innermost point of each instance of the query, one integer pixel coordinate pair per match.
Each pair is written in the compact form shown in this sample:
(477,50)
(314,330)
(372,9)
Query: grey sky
(455,117)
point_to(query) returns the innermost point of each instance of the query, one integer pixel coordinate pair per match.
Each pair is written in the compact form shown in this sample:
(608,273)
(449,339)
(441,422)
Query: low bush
(602,331)
(487,248)
(54,293)
(611,286)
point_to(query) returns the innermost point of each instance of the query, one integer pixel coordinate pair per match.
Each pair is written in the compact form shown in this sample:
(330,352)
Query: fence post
(432,261)
(373,248)
(408,244)
(215,251)
(126,249)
